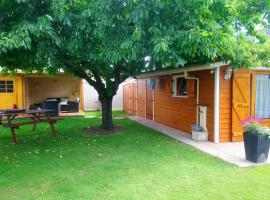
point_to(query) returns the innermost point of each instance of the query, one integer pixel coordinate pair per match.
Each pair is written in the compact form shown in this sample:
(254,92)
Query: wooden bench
(35,116)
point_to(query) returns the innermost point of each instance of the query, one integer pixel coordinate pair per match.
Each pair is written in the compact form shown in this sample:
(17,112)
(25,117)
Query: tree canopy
(106,41)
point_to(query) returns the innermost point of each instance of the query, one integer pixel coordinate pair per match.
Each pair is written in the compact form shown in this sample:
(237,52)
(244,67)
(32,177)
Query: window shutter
(191,88)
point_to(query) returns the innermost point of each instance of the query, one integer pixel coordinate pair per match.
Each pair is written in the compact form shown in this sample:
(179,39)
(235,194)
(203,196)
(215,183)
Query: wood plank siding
(7,100)
(225,108)
(176,112)
(207,85)
(236,102)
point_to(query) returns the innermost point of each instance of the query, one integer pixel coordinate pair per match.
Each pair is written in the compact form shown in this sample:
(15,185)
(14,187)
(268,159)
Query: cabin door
(149,101)
(240,103)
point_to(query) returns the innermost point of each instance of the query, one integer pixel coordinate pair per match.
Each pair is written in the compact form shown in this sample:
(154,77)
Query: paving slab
(232,152)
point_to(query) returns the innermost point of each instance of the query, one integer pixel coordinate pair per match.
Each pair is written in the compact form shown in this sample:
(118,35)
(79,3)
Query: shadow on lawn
(67,129)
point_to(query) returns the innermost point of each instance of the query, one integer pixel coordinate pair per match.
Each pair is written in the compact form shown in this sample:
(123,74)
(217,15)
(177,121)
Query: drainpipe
(197,95)
(216,105)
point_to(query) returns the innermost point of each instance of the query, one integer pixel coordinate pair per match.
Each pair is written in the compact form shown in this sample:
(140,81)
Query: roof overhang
(260,68)
(188,68)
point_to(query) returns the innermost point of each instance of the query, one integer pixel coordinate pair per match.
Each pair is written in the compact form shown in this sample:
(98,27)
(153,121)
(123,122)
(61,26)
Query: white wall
(91,101)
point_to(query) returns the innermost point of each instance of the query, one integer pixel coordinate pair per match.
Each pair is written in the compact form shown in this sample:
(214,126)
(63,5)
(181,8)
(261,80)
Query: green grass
(137,163)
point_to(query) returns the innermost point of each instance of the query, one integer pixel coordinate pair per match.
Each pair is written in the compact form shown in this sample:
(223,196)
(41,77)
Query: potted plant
(256,139)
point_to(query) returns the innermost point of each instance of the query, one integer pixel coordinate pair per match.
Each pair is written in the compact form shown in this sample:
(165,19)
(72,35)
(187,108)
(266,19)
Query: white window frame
(175,86)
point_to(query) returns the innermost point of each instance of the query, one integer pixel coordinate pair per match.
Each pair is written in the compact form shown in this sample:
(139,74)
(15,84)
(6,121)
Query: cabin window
(6,86)
(179,86)
(262,100)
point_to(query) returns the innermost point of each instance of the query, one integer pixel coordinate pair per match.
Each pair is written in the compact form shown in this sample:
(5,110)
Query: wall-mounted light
(228,73)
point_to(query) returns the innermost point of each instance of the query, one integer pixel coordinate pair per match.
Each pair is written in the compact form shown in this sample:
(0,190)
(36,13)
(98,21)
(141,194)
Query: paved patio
(232,152)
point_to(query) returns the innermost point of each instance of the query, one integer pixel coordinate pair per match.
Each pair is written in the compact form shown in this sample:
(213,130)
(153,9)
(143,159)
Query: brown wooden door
(149,101)
(135,98)
(126,97)
(130,110)
(240,103)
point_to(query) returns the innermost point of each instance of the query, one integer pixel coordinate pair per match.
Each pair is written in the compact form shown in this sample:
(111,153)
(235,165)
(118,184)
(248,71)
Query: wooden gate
(240,102)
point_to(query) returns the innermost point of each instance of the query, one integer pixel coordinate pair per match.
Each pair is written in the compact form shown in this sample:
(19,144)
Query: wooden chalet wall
(7,100)
(237,102)
(207,82)
(225,108)
(176,112)
(179,112)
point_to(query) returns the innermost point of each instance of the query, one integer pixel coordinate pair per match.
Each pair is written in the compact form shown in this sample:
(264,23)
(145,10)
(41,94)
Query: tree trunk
(107,122)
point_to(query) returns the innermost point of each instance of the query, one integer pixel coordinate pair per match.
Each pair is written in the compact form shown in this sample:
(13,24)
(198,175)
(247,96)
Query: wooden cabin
(171,97)
(25,91)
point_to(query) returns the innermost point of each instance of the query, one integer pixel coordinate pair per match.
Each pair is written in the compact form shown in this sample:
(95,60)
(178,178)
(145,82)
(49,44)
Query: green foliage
(106,41)
(257,129)
(253,128)
(265,130)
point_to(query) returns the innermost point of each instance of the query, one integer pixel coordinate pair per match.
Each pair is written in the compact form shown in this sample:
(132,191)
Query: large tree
(106,41)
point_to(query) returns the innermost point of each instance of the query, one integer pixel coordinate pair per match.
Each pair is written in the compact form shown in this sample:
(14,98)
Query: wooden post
(53,129)
(34,126)
(12,129)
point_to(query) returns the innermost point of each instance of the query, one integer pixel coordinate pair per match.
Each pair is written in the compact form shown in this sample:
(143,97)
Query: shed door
(135,98)
(125,97)
(149,101)
(8,95)
(240,103)
(131,99)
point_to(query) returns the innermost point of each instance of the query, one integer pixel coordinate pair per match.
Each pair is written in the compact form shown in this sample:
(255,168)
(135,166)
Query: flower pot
(256,147)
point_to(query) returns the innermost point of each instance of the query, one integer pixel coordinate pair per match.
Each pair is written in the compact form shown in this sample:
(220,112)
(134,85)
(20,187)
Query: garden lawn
(137,163)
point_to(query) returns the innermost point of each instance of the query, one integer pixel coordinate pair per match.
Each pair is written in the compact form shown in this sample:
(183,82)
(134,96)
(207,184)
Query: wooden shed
(172,97)
(25,90)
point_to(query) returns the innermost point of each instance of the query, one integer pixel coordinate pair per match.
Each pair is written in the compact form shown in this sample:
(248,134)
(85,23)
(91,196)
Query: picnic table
(10,119)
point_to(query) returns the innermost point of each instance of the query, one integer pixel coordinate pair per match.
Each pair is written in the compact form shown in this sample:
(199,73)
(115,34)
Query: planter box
(256,147)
